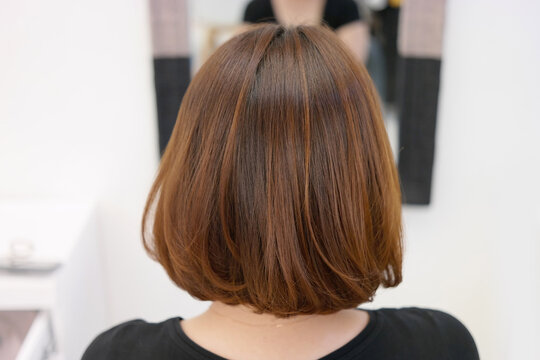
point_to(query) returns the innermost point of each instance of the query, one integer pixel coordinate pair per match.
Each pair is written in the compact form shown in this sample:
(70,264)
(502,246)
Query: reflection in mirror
(400,43)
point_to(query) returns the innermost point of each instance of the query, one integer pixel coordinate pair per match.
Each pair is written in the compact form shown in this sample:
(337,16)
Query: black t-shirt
(391,334)
(336,12)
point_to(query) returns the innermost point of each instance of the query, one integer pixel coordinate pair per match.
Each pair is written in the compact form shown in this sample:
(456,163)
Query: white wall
(476,251)
(77,118)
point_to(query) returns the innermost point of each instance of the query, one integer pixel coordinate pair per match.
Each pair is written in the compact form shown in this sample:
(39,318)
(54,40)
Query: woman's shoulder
(415,332)
(135,339)
(427,330)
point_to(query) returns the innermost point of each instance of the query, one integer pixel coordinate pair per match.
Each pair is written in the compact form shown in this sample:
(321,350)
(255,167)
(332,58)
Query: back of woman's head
(278,188)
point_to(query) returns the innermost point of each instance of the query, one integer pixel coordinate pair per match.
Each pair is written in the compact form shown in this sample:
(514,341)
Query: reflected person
(340,15)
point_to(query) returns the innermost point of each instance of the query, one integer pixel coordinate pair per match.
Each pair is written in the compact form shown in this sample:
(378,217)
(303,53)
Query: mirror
(400,43)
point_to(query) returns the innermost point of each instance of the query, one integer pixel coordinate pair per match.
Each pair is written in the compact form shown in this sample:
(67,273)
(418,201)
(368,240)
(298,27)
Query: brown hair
(278,189)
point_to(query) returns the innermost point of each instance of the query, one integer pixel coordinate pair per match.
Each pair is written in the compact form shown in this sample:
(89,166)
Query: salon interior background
(78,121)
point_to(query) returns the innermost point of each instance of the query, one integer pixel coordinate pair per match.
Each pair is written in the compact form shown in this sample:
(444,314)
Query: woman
(277,199)
(340,15)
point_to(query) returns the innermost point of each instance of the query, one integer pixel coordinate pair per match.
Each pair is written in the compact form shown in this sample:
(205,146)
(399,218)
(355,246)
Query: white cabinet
(67,302)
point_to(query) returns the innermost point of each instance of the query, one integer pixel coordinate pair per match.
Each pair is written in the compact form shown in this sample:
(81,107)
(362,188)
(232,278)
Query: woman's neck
(235,331)
(244,315)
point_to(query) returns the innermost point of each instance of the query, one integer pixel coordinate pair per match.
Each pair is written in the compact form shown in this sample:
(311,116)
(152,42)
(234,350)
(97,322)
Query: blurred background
(89,92)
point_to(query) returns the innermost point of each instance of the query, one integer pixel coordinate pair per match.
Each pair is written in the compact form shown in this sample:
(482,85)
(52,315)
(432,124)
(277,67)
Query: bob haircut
(278,189)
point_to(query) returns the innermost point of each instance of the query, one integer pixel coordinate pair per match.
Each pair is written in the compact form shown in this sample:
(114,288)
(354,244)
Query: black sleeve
(258,11)
(110,344)
(459,340)
(341,13)
(418,333)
